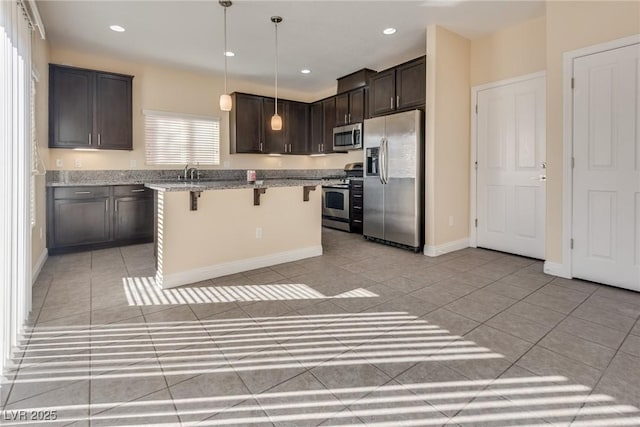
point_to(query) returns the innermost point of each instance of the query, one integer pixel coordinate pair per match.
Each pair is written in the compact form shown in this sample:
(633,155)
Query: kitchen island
(208,229)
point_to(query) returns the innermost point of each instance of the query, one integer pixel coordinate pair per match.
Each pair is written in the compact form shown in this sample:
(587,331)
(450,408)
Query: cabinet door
(342,109)
(81,222)
(410,84)
(133,218)
(71,108)
(274,139)
(329,118)
(382,93)
(297,130)
(356,106)
(113,112)
(247,135)
(316,128)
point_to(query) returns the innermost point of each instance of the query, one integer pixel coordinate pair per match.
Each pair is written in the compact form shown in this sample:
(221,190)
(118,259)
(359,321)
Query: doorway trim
(565,268)
(473,172)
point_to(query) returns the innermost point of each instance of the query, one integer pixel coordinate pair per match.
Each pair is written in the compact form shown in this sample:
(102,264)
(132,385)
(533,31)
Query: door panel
(71,108)
(133,218)
(511,168)
(606,177)
(401,219)
(113,111)
(80,222)
(373,203)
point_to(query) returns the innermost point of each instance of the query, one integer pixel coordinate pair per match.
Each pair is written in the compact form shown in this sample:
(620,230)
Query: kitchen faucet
(192,172)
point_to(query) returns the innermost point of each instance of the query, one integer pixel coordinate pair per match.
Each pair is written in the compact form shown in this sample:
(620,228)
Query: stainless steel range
(337,201)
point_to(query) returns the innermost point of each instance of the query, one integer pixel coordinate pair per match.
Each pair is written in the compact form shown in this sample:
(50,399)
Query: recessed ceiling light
(117,28)
(389,31)
(229,53)
(305,71)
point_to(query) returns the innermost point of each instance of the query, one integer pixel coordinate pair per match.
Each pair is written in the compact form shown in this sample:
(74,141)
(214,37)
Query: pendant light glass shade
(225,102)
(276,120)
(225,99)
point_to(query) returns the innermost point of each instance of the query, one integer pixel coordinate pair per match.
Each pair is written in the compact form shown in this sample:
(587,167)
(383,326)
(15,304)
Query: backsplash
(140,175)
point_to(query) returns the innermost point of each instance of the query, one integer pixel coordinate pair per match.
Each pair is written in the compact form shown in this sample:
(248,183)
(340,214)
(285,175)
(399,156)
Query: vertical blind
(15,172)
(173,138)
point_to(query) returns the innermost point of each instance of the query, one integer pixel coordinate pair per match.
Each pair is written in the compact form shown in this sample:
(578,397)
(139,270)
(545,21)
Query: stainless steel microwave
(347,137)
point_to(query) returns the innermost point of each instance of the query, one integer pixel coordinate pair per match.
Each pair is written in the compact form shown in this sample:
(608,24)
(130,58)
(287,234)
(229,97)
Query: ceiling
(331,38)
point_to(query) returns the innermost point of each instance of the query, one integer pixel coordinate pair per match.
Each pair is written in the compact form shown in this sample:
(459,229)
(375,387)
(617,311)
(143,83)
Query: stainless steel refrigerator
(393,179)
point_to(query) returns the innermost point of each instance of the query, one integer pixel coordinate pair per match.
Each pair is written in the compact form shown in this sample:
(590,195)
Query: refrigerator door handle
(380,162)
(385,162)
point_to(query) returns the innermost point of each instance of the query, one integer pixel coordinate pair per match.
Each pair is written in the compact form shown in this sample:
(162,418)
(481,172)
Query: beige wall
(157,87)
(211,237)
(447,137)
(570,26)
(40,60)
(511,52)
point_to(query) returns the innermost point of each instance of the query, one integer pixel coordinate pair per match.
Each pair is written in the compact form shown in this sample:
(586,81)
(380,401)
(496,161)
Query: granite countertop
(203,185)
(95,183)
(230,185)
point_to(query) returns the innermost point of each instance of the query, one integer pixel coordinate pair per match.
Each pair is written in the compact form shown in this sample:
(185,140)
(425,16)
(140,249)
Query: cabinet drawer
(85,192)
(356,185)
(138,190)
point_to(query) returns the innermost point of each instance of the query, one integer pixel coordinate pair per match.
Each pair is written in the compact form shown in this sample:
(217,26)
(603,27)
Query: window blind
(173,138)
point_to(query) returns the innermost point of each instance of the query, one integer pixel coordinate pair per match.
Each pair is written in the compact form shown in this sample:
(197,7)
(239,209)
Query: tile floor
(473,337)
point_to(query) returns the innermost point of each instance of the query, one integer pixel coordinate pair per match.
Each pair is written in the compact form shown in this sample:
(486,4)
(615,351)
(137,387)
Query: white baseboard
(556,269)
(35,271)
(219,270)
(446,247)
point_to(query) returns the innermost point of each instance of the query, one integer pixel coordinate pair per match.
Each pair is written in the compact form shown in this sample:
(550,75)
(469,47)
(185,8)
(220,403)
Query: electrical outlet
(78,163)
(133,163)
(450,220)
(59,163)
(258,232)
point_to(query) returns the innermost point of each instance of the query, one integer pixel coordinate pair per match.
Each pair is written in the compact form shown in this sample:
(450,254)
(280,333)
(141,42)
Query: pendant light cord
(225,49)
(276,102)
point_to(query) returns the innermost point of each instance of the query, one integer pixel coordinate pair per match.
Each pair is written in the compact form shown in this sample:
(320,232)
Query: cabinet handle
(357,207)
(116,206)
(82,192)
(98,139)
(357,196)
(89,139)
(357,220)
(345,118)
(349,117)
(260,146)
(391,102)
(398,100)
(139,190)
(106,205)
(290,149)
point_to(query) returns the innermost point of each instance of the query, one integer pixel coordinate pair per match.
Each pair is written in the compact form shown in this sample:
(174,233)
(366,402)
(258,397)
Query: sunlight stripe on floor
(142,291)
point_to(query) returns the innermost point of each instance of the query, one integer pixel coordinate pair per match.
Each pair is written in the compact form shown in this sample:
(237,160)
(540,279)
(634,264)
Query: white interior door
(510,193)
(606,174)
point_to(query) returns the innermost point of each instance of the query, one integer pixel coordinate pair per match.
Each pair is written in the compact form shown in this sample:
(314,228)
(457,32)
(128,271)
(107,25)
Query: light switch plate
(78,163)
(59,163)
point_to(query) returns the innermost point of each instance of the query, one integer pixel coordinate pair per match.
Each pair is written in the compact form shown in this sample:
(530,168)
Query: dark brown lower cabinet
(93,217)
(133,213)
(356,194)
(81,221)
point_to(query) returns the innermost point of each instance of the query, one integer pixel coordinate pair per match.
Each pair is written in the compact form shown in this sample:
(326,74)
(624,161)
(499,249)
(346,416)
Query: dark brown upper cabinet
(399,88)
(297,128)
(89,109)
(247,124)
(316,128)
(350,107)
(329,122)
(250,125)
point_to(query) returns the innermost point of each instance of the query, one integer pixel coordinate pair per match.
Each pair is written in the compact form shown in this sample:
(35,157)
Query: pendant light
(276,120)
(225,98)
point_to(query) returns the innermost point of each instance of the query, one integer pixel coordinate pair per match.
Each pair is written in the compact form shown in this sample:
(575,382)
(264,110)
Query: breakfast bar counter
(209,229)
